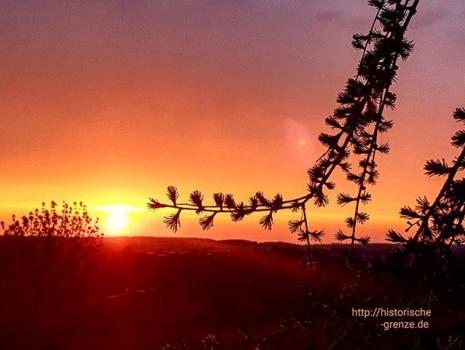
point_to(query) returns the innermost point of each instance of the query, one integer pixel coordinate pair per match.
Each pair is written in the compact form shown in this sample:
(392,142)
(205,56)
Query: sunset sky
(109,102)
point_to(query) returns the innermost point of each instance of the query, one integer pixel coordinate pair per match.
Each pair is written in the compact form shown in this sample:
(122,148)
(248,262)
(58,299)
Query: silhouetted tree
(357,121)
(426,257)
(439,223)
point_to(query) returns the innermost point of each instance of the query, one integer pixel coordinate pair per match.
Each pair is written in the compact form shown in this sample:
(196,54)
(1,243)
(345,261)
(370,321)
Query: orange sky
(109,102)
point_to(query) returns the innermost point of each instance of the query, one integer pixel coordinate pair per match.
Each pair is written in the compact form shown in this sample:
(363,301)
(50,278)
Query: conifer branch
(440,223)
(367,142)
(360,107)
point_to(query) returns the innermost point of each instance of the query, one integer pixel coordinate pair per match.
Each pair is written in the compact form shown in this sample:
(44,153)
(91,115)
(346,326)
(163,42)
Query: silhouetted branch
(366,143)
(440,223)
(356,122)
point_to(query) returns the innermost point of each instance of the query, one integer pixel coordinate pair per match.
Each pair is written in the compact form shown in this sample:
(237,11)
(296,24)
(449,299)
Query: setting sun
(117,220)
(117,217)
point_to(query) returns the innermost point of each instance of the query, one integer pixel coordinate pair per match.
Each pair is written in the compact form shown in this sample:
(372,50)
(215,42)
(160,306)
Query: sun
(117,217)
(117,220)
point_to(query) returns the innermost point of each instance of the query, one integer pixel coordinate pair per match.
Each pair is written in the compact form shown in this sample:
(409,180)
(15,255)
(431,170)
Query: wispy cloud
(428,17)
(329,15)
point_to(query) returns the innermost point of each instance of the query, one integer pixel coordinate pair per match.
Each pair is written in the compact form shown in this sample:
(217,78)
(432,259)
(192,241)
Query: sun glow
(117,221)
(117,217)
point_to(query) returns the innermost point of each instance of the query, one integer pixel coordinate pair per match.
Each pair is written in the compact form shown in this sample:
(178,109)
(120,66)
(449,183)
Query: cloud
(227,2)
(354,21)
(429,17)
(329,15)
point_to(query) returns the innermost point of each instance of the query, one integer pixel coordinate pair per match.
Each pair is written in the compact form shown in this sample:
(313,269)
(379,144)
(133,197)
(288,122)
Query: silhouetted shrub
(45,262)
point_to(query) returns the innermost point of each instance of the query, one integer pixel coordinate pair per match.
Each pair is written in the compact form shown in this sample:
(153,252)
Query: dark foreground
(174,293)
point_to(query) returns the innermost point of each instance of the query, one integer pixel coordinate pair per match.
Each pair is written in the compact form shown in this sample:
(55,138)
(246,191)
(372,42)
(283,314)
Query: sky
(109,102)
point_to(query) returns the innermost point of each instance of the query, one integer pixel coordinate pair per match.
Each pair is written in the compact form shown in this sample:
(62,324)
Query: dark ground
(142,293)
